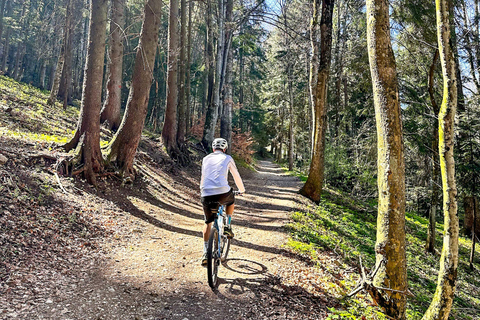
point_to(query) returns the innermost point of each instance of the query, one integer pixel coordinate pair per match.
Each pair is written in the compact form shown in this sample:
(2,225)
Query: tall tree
(87,134)
(182,102)
(61,57)
(226,117)
(443,298)
(313,186)
(214,107)
(210,65)
(123,147)
(169,132)
(390,244)
(66,79)
(111,108)
(430,245)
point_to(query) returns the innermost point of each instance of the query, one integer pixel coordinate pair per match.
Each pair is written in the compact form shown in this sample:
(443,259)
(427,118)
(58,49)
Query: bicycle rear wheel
(213,260)
(226,248)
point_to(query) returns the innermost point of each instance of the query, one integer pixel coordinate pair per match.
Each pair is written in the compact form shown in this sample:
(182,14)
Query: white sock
(205,246)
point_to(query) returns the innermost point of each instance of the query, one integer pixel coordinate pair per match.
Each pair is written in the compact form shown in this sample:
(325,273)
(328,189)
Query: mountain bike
(218,245)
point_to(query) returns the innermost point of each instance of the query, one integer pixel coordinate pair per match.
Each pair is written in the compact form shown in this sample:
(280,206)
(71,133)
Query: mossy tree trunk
(390,243)
(111,108)
(123,147)
(87,134)
(313,186)
(443,298)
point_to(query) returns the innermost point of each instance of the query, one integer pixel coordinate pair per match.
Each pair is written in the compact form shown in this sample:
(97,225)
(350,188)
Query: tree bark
(2,11)
(212,112)
(430,245)
(474,232)
(123,147)
(188,79)
(87,134)
(390,244)
(226,119)
(59,71)
(182,103)
(290,124)
(313,186)
(169,132)
(111,108)
(57,77)
(65,83)
(443,298)
(207,133)
(6,48)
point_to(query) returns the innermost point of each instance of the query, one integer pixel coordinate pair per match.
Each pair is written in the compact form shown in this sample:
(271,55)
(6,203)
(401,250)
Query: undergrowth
(348,228)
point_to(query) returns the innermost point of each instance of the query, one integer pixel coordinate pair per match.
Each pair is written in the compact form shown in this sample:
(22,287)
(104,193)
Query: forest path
(154,271)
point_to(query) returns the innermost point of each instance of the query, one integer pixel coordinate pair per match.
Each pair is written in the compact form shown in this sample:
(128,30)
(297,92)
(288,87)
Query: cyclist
(216,190)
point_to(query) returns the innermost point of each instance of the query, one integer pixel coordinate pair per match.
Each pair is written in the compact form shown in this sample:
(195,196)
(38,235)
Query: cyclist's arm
(236,176)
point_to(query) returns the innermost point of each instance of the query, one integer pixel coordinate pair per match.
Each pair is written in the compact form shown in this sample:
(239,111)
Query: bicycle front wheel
(213,260)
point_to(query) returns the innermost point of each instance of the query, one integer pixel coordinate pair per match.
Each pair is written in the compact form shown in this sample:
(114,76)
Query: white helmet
(219,143)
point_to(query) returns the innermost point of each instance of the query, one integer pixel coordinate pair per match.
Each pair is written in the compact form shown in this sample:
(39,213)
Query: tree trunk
(57,77)
(111,108)
(43,70)
(390,243)
(209,117)
(430,245)
(226,119)
(188,79)
(2,11)
(59,71)
(313,186)
(6,48)
(475,230)
(290,125)
(182,103)
(123,147)
(169,132)
(212,112)
(87,135)
(471,222)
(66,80)
(443,298)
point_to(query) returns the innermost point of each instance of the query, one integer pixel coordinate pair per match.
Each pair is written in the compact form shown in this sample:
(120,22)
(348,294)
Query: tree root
(366,284)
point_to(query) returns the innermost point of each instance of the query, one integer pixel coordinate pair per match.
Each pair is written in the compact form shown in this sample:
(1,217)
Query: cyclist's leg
(228,199)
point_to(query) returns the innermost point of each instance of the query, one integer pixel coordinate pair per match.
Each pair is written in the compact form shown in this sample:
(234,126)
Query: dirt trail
(153,271)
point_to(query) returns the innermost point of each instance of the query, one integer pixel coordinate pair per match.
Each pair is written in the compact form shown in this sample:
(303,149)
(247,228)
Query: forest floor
(72,251)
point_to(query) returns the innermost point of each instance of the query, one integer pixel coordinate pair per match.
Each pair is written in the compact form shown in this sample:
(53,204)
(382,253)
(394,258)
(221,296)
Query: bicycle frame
(219,224)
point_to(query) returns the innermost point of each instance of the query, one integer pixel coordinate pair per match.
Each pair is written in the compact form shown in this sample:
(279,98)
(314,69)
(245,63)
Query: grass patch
(342,225)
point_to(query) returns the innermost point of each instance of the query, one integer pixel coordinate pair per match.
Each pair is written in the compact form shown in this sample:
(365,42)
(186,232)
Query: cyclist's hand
(237,193)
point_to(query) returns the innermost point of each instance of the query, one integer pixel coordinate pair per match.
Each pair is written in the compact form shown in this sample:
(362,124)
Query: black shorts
(211,204)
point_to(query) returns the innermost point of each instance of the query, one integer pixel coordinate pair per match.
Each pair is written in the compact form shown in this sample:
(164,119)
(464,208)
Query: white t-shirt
(215,168)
